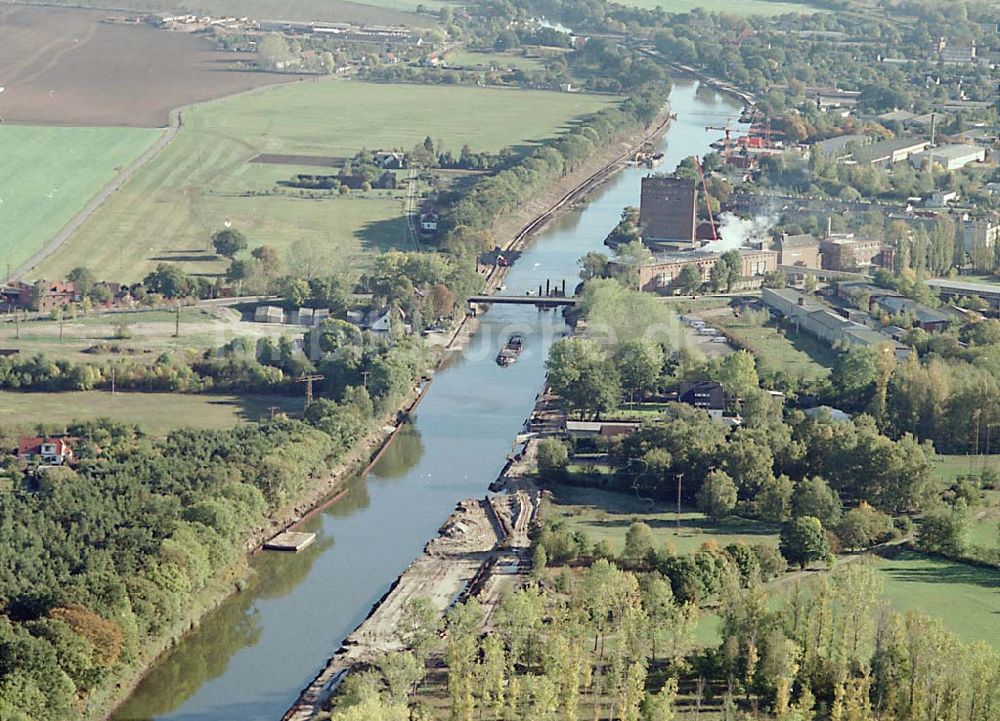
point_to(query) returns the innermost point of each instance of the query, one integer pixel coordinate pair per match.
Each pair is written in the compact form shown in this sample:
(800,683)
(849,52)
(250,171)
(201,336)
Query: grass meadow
(141,335)
(606,515)
(168,211)
(797,354)
(966,598)
(155,413)
(48,175)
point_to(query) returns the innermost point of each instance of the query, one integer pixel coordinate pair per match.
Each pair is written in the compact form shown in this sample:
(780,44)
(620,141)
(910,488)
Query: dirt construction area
(61,66)
(482,550)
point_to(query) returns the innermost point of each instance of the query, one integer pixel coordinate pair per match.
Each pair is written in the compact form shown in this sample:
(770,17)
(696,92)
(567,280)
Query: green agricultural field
(605,515)
(168,211)
(964,597)
(797,354)
(156,413)
(49,174)
(950,467)
(733,7)
(137,336)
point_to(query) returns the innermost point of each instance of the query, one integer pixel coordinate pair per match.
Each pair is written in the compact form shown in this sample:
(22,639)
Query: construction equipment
(708,198)
(729,131)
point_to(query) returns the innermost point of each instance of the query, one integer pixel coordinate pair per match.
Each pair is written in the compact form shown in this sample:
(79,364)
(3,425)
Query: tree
(372,709)
(727,271)
(774,499)
(552,457)
(658,602)
(749,462)
(273,51)
(945,530)
(402,671)
(169,281)
(814,497)
(83,279)
(238,270)
(638,541)
(580,375)
(228,242)
(593,265)
(296,291)
(689,279)
(660,706)
(267,259)
(803,541)
(630,257)
(737,372)
(417,629)
(862,526)
(640,363)
(717,495)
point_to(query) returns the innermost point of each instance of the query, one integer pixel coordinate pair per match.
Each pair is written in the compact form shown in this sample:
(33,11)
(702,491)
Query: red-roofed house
(47,451)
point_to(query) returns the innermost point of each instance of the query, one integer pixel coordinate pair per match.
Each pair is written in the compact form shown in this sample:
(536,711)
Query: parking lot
(697,333)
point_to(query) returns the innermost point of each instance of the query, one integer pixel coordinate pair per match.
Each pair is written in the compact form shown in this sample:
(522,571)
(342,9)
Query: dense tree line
(949,394)
(344,353)
(99,561)
(605,642)
(467,216)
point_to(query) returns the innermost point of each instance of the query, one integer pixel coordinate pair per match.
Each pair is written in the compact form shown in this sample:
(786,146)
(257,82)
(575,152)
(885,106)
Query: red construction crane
(729,131)
(708,198)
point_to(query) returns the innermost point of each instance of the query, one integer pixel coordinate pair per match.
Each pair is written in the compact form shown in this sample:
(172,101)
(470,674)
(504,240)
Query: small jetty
(293,541)
(510,352)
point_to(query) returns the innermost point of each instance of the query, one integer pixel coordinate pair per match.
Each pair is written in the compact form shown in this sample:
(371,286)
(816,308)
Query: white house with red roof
(48,451)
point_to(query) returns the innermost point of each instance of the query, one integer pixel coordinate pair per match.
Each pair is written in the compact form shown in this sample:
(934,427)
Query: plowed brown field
(69,67)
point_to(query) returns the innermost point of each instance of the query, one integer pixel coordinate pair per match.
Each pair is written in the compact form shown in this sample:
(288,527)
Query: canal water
(248,659)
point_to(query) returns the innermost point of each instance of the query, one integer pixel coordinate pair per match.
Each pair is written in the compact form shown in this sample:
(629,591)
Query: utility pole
(177,321)
(680,477)
(308,380)
(273,410)
(364,378)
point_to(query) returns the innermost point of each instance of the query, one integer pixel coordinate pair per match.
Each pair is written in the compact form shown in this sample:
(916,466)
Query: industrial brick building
(662,274)
(668,212)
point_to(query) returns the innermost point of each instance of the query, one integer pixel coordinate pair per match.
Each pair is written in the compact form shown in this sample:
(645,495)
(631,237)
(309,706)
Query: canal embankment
(250,658)
(480,552)
(328,489)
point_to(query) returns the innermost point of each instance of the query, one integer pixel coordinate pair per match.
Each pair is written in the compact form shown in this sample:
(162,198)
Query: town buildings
(950,157)
(845,252)
(662,274)
(820,320)
(980,233)
(801,250)
(889,152)
(709,396)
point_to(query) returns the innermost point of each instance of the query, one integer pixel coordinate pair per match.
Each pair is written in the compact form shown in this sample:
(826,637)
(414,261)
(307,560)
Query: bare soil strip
(316,160)
(482,550)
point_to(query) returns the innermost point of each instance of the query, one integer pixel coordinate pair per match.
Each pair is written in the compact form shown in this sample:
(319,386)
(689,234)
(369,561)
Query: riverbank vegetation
(77,612)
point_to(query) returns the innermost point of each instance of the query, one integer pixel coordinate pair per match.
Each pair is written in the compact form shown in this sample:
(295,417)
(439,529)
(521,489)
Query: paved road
(84,215)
